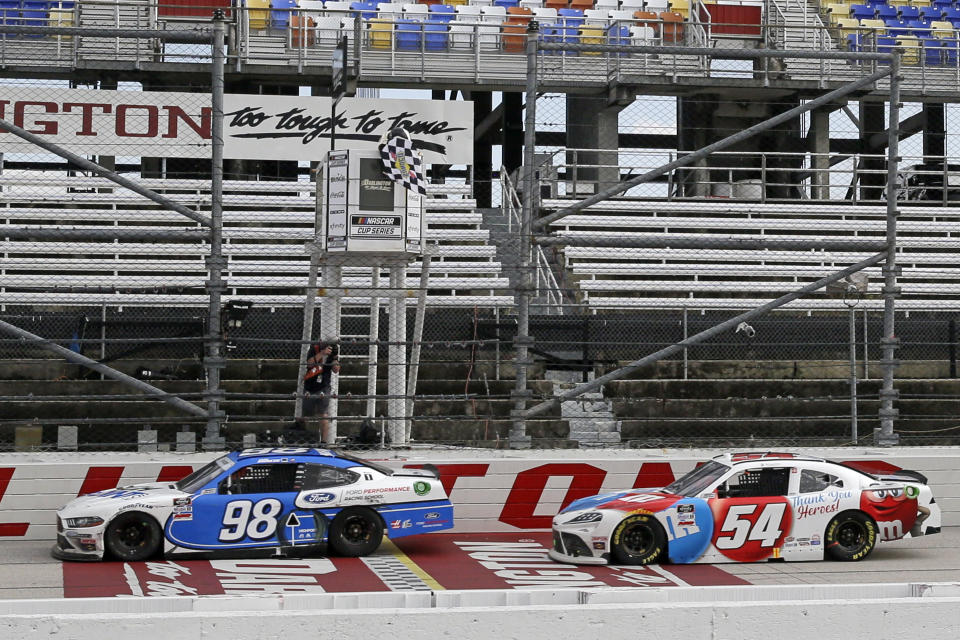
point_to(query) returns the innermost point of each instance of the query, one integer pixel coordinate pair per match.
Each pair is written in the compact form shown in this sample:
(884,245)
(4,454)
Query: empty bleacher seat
(441,12)
(493,14)
(415,11)
(328,30)
(35,13)
(671,31)
(858,11)
(908,12)
(380,33)
(596,16)
(848,26)
(680,6)
(462,35)
(519,15)
(363,10)
(513,38)
(911,49)
(302,31)
(886,12)
(258,13)
(545,14)
(642,35)
(467,12)
(897,28)
(280,12)
(658,6)
(952,16)
(921,27)
(648,19)
(591,34)
(506,3)
(531,4)
(556,4)
(582,5)
(436,36)
(409,34)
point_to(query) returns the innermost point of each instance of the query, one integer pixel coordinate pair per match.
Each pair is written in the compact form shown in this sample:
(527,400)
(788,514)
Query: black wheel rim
(133,535)
(637,540)
(851,536)
(357,530)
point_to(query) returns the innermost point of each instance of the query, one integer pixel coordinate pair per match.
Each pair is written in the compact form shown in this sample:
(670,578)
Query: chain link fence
(431,350)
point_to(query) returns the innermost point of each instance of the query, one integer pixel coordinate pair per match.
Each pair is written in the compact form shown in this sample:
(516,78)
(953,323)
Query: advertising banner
(167,124)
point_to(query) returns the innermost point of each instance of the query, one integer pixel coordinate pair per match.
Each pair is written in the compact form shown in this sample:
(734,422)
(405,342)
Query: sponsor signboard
(175,124)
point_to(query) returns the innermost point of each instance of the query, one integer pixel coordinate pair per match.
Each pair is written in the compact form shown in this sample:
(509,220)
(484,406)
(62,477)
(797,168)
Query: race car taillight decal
(893,511)
(749,529)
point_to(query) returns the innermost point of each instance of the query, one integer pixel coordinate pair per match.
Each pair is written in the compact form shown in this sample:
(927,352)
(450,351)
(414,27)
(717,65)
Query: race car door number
(243,518)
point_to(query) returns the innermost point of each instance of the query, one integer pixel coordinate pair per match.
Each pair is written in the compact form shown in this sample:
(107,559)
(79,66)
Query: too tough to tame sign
(168,124)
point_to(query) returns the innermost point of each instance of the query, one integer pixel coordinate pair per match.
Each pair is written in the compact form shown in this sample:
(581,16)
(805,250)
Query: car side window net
(758,483)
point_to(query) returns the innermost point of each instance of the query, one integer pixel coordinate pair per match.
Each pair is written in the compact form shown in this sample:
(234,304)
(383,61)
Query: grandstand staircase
(590,416)
(799,28)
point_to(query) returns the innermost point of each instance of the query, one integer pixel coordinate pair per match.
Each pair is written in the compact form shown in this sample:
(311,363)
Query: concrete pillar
(592,124)
(693,116)
(819,142)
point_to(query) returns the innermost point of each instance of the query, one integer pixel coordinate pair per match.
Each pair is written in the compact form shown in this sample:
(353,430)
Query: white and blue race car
(255,502)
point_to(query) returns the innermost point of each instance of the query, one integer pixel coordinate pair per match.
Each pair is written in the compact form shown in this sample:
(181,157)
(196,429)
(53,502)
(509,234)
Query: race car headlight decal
(591,516)
(81,523)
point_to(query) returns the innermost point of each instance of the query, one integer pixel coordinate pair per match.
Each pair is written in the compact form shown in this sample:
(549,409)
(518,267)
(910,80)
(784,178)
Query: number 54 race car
(256,502)
(748,507)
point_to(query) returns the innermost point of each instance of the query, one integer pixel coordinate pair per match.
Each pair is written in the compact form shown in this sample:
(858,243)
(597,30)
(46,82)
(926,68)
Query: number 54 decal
(749,529)
(246,519)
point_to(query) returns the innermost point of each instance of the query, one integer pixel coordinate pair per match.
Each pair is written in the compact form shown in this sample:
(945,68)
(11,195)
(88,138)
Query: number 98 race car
(748,507)
(256,502)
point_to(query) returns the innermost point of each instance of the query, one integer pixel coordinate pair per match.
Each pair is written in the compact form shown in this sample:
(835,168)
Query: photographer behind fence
(322,363)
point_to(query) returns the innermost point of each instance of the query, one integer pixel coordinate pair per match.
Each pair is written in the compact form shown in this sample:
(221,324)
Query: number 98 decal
(749,529)
(245,519)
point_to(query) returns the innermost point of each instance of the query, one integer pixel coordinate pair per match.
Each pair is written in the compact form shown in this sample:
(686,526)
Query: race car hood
(651,500)
(152,493)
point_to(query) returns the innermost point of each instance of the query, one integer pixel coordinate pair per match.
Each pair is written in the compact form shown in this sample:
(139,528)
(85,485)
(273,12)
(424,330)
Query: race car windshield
(697,480)
(204,474)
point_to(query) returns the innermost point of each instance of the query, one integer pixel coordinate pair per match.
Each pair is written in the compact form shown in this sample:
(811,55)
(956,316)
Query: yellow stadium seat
(381,33)
(874,27)
(258,14)
(457,2)
(591,34)
(942,29)
(848,26)
(836,11)
(681,6)
(911,49)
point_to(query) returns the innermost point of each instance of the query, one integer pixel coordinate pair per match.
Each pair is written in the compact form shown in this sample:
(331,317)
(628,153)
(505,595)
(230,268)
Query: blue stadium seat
(876,3)
(436,36)
(281,12)
(10,12)
(885,44)
(35,13)
(363,10)
(951,15)
(908,12)
(442,13)
(886,12)
(506,4)
(949,50)
(862,11)
(932,51)
(921,27)
(898,28)
(408,35)
(933,12)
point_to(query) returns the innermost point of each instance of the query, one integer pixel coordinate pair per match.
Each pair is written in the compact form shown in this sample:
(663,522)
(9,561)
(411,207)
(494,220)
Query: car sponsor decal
(319,498)
(749,529)
(421,488)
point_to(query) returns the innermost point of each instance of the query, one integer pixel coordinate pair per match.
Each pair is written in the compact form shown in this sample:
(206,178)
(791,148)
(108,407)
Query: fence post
(522,342)
(213,440)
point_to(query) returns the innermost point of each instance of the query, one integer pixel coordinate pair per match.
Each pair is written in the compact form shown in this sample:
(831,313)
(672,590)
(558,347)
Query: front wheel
(638,539)
(850,536)
(356,532)
(133,536)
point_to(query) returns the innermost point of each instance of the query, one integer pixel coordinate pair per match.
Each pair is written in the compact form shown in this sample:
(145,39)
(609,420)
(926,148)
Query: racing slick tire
(638,539)
(356,532)
(133,536)
(850,536)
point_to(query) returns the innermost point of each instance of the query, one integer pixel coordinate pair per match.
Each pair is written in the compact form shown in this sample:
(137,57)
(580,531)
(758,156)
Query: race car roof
(757,456)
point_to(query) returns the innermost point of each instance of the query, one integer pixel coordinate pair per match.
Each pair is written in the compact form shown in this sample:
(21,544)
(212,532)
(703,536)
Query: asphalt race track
(446,561)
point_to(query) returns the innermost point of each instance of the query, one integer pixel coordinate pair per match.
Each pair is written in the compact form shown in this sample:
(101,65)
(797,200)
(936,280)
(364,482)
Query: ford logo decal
(433,515)
(318,498)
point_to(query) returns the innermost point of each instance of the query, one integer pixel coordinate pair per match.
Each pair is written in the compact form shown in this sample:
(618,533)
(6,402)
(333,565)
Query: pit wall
(492,490)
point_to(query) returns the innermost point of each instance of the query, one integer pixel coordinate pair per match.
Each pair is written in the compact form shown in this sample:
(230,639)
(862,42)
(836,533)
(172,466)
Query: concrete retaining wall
(492,490)
(835,612)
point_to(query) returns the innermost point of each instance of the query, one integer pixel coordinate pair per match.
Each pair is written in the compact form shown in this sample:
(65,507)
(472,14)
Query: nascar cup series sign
(167,124)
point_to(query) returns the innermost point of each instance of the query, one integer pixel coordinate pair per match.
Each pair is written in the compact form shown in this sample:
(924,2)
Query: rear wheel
(133,536)
(850,536)
(356,532)
(638,539)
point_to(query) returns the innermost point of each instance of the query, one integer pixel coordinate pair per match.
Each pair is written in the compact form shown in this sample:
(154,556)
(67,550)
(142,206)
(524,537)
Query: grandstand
(797,198)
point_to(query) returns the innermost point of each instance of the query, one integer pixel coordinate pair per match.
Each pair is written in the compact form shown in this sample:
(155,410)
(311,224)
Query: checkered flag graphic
(400,163)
